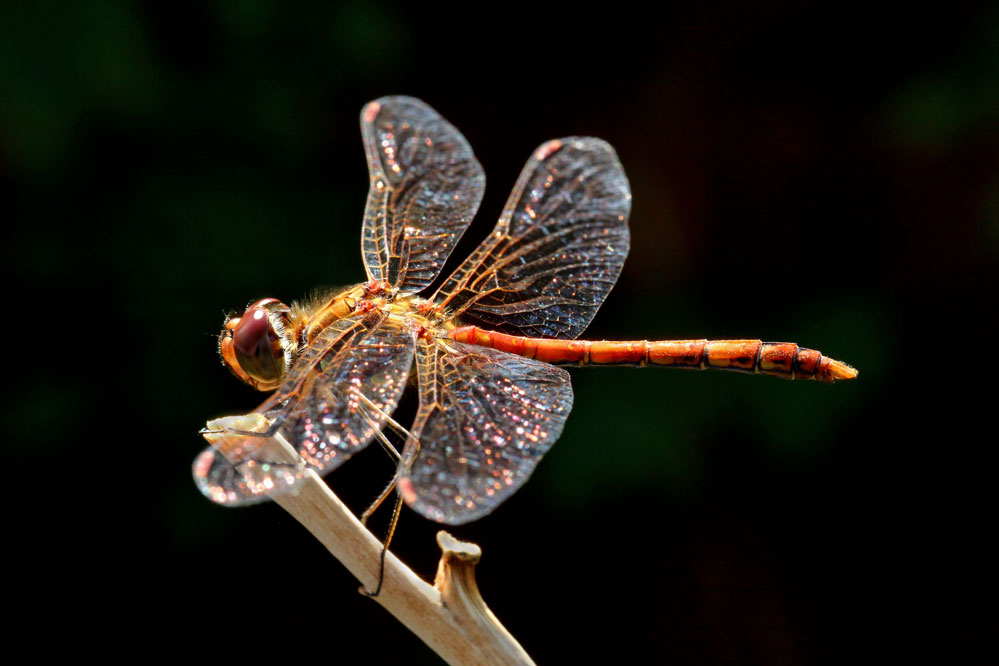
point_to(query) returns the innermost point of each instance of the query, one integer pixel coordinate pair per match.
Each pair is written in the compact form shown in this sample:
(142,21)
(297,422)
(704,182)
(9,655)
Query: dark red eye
(256,345)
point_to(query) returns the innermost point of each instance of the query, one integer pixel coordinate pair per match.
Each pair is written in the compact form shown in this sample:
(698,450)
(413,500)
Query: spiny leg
(382,439)
(385,544)
(392,423)
(378,502)
(397,508)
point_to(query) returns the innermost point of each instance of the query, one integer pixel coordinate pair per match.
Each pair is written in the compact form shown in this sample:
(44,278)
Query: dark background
(824,174)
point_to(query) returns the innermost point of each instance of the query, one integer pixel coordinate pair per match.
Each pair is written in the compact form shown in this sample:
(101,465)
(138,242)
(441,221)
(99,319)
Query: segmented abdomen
(780,359)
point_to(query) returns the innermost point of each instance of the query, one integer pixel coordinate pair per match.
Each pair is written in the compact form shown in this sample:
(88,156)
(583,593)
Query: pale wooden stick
(449,616)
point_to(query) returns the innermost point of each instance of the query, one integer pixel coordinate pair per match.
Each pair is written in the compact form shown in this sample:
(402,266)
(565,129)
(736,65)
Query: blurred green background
(824,174)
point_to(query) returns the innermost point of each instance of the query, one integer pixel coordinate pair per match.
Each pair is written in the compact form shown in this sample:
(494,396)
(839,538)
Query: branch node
(456,573)
(461,598)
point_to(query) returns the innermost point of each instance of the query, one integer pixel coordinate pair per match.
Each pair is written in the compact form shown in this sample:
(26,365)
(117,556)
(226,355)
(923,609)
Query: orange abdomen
(780,359)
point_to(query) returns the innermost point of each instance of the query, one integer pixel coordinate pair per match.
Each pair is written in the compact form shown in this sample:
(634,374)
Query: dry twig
(450,616)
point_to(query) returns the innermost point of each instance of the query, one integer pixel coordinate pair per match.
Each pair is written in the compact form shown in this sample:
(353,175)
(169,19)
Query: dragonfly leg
(382,439)
(385,544)
(378,502)
(392,423)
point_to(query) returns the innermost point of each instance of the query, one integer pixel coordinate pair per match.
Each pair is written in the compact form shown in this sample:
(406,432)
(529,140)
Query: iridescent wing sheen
(338,396)
(558,247)
(485,419)
(425,188)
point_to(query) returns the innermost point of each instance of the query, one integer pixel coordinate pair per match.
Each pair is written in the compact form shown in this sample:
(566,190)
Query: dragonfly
(488,347)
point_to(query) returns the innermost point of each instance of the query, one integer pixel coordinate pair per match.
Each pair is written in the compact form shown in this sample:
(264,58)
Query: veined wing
(338,396)
(425,188)
(485,419)
(558,247)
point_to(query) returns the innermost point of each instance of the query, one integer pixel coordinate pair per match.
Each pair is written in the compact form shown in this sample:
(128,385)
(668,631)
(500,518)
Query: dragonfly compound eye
(251,345)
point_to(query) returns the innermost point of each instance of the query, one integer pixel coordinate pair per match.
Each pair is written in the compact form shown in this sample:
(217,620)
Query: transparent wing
(338,396)
(241,469)
(485,419)
(425,188)
(558,247)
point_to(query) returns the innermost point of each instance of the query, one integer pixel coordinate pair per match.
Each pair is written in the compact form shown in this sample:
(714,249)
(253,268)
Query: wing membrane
(425,188)
(320,411)
(558,247)
(486,417)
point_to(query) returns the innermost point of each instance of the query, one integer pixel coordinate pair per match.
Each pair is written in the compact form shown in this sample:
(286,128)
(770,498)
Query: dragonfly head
(258,346)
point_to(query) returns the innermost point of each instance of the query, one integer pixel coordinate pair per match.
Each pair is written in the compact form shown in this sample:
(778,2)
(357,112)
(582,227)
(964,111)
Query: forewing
(339,395)
(425,188)
(485,419)
(558,247)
